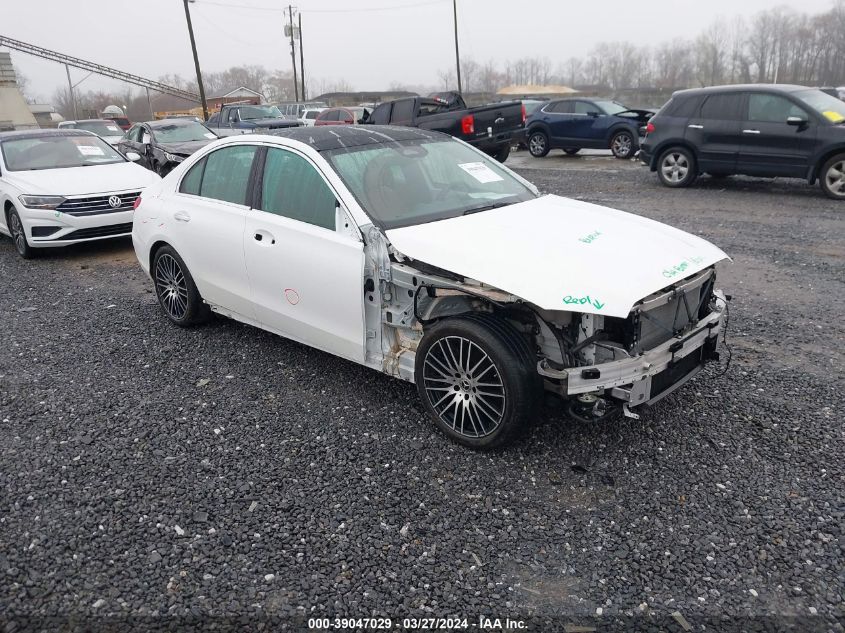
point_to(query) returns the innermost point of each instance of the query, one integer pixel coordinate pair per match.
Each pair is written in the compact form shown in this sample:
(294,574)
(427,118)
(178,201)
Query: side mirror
(594,114)
(797,121)
(133,156)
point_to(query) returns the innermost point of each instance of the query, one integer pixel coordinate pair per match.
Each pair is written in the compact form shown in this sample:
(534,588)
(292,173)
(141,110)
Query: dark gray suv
(756,130)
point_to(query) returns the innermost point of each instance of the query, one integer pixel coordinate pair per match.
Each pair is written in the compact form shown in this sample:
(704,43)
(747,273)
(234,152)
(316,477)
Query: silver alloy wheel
(17,231)
(464,386)
(537,144)
(171,286)
(675,167)
(835,178)
(622,144)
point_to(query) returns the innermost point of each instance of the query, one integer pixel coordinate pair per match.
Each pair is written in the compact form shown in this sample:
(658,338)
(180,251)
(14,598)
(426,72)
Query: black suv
(757,130)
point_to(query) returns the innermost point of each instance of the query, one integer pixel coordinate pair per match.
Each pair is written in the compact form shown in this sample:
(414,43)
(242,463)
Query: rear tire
(832,178)
(623,144)
(538,144)
(18,232)
(676,167)
(571,151)
(502,153)
(477,379)
(176,291)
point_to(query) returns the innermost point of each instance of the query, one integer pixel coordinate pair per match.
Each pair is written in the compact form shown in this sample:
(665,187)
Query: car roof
(21,134)
(325,138)
(782,88)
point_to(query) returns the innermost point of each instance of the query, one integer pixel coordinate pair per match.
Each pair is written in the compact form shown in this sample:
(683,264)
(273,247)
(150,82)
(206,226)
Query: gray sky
(354,40)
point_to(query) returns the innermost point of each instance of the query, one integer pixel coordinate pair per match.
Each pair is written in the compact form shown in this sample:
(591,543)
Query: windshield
(54,152)
(182,133)
(829,107)
(610,107)
(260,112)
(412,182)
(103,128)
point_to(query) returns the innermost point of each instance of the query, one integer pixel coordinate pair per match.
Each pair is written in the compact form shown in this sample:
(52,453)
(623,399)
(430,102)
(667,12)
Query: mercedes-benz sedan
(417,255)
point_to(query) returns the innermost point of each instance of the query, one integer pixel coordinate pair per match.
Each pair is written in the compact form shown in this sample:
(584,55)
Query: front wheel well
(815,172)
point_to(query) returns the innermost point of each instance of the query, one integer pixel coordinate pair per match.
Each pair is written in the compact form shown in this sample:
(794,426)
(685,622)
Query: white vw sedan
(61,187)
(414,254)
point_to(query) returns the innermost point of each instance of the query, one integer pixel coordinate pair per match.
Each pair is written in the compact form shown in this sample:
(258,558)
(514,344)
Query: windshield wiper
(487,207)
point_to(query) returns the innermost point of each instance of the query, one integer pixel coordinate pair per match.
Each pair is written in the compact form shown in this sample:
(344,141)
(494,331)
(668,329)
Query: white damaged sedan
(414,254)
(62,187)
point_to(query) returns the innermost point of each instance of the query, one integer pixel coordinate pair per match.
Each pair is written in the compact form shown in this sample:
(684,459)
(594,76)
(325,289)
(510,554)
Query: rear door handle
(181,216)
(259,236)
(751,131)
(695,126)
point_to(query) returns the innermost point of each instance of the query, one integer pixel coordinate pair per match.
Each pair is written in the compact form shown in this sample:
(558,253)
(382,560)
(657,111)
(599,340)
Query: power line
(356,10)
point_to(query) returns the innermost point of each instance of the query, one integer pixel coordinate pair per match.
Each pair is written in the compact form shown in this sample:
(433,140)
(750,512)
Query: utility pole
(150,103)
(457,52)
(301,59)
(293,54)
(196,61)
(70,89)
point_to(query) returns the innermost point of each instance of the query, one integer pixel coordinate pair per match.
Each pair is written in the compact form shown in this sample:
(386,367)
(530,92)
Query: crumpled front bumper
(647,378)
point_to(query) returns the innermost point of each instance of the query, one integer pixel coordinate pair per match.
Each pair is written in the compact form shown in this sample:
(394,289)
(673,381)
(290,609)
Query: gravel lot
(153,477)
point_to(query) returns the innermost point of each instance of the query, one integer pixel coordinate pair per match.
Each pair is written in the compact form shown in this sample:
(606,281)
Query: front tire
(176,291)
(18,233)
(623,145)
(477,379)
(833,178)
(538,144)
(676,167)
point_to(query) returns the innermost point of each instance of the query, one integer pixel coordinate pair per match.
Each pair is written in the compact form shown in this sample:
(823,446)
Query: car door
(589,122)
(131,142)
(770,146)
(207,216)
(558,115)
(307,279)
(714,131)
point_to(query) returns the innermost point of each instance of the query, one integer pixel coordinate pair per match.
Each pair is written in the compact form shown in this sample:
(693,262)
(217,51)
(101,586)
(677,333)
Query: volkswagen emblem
(114,202)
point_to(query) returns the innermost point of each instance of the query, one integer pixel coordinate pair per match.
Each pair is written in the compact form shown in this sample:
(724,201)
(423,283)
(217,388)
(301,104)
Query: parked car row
(399,248)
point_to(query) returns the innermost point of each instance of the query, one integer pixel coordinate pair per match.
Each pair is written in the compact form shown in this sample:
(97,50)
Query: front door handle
(695,126)
(181,216)
(751,131)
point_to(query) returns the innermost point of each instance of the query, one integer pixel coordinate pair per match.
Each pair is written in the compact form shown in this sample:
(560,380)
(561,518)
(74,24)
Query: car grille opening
(99,231)
(674,373)
(98,204)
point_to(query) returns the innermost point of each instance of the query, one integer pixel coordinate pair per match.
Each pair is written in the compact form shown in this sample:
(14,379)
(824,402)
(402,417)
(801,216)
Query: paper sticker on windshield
(833,116)
(209,135)
(90,150)
(113,128)
(481,172)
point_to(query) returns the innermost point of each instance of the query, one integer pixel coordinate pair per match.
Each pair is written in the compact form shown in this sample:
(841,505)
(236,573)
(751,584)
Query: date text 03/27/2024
(484,623)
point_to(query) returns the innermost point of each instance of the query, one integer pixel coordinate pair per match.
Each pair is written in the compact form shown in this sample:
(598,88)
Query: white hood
(78,181)
(561,254)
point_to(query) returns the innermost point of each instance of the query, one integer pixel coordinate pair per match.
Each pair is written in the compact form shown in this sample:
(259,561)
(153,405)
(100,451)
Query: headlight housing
(173,158)
(41,202)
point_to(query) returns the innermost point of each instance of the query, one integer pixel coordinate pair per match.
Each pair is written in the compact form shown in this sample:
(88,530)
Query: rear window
(727,106)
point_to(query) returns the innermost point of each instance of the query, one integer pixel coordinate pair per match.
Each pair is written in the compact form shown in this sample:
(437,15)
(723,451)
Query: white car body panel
(561,254)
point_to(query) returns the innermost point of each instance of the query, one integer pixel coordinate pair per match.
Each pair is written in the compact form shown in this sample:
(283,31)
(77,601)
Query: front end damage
(600,365)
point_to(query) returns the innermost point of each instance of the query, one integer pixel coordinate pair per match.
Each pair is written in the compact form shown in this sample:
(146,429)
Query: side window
(134,134)
(381,115)
(226,175)
(561,107)
(233,115)
(193,179)
(311,114)
(683,108)
(584,107)
(769,108)
(403,112)
(722,106)
(332,115)
(292,187)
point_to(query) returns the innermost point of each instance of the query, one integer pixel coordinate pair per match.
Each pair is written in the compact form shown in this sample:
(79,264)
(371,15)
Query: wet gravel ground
(224,478)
